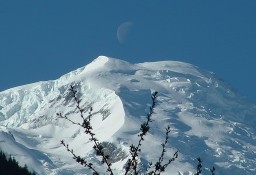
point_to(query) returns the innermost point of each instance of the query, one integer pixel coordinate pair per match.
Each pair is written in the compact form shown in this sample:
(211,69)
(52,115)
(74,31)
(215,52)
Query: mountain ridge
(208,119)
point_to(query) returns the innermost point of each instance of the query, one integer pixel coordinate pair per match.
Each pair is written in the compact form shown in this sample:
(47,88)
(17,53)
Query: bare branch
(79,159)
(88,130)
(134,150)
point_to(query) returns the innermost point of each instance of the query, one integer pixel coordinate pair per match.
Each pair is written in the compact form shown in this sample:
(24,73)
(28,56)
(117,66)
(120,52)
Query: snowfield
(208,119)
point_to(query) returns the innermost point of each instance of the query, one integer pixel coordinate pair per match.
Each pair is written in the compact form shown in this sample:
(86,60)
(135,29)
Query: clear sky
(44,39)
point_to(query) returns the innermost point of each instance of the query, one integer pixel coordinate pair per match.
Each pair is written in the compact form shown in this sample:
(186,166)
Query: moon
(123,31)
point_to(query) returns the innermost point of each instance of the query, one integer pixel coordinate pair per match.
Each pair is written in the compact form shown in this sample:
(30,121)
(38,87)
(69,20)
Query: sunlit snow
(207,118)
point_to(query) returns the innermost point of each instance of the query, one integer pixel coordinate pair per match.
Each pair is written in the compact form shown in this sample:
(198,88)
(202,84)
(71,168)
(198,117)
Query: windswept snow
(207,118)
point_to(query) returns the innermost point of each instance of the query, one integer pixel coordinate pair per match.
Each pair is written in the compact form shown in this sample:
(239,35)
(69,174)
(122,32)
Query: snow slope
(207,118)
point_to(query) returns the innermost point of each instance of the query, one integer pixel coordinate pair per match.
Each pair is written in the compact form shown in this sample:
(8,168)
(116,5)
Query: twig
(199,166)
(79,159)
(158,165)
(134,150)
(88,130)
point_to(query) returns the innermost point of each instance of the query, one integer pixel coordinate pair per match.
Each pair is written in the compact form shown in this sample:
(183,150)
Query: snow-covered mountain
(207,118)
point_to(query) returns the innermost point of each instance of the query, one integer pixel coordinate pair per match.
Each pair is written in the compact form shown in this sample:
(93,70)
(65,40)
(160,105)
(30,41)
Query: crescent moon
(123,30)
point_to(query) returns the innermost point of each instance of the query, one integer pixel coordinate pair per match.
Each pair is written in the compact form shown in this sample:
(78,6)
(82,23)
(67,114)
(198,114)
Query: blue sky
(43,39)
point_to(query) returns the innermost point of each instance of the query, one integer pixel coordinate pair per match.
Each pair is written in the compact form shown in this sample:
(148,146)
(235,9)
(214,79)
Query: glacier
(207,117)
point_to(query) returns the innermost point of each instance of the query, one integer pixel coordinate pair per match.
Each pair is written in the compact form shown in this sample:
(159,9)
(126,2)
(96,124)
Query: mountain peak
(107,63)
(207,118)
